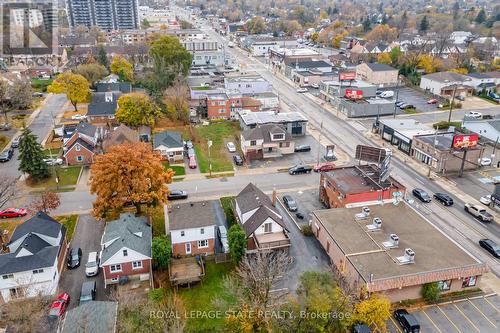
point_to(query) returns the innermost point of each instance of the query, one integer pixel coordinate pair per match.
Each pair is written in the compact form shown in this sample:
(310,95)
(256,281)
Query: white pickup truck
(478,212)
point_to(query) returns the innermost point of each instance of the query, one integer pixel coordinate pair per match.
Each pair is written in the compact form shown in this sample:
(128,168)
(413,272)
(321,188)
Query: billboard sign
(370,154)
(347,76)
(354,94)
(465,141)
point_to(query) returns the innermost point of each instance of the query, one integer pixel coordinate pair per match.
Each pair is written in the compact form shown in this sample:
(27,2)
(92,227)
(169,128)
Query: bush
(237,242)
(444,124)
(431,292)
(227,205)
(156,295)
(307,230)
(161,251)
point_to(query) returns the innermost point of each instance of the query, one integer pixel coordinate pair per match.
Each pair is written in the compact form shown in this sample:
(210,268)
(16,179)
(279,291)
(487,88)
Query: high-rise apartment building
(106,14)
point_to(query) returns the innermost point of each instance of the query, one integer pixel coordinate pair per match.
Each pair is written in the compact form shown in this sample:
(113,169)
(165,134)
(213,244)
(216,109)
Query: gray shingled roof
(41,223)
(376,67)
(124,87)
(86,128)
(192,215)
(126,232)
(80,142)
(169,139)
(91,317)
(102,109)
(263,132)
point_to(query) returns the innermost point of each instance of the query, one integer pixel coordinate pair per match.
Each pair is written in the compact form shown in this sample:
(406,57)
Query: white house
(192,228)
(261,221)
(35,259)
(489,129)
(247,84)
(170,146)
(482,81)
(443,83)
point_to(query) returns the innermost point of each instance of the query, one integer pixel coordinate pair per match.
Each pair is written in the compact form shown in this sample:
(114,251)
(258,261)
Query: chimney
(274,197)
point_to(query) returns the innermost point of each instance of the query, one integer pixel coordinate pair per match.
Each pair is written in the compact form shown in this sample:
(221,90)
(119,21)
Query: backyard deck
(186,271)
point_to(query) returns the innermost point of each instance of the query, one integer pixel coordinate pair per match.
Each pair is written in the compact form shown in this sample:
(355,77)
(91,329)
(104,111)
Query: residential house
(379,74)
(192,228)
(120,135)
(266,141)
(169,145)
(35,258)
(487,129)
(111,85)
(294,122)
(102,109)
(247,84)
(90,317)
(126,249)
(223,105)
(263,225)
(482,82)
(80,147)
(444,83)
(342,61)
(309,73)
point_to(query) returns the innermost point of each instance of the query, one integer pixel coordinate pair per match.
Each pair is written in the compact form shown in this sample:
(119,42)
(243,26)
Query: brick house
(223,105)
(169,145)
(192,228)
(80,147)
(126,249)
(379,74)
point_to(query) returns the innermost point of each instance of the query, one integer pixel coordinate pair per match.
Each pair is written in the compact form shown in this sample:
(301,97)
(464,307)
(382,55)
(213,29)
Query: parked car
(330,156)
(88,292)
(421,195)
(237,160)
(399,103)
(74,257)
(494,96)
(79,117)
(12,212)
(474,114)
(290,203)
(302,90)
(478,212)
(485,200)
(432,101)
(192,163)
(315,85)
(387,94)
(407,321)
(485,161)
(324,167)
(361,328)
(299,169)
(443,198)
(378,92)
(37,94)
(407,106)
(460,98)
(59,305)
(190,152)
(231,147)
(402,105)
(177,195)
(92,265)
(302,148)
(5,126)
(222,233)
(490,246)
(15,142)
(7,155)
(53,161)
(188,144)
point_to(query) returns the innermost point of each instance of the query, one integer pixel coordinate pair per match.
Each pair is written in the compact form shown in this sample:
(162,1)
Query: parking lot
(413,97)
(476,315)
(307,202)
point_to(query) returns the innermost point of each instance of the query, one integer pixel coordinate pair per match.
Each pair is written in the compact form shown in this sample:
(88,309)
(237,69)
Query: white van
(92,265)
(387,94)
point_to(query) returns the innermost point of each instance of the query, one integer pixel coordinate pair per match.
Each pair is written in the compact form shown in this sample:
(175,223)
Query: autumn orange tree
(128,173)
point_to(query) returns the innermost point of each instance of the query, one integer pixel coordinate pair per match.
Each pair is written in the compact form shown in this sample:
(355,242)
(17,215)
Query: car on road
(443,198)
(485,199)
(408,322)
(387,94)
(37,94)
(188,144)
(222,233)
(290,204)
(478,212)
(92,265)
(7,155)
(177,195)
(485,161)
(298,169)
(324,167)
(231,147)
(15,142)
(490,246)
(237,160)
(53,161)
(74,257)
(5,126)
(12,212)
(302,148)
(192,163)
(79,117)
(302,90)
(474,114)
(59,305)
(88,292)
(432,101)
(421,195)
(315,85)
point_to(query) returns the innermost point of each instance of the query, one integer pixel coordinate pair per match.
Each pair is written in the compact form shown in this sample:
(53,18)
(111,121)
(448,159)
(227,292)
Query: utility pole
(463,164)
(209,157)
(397,97)
(433,155)
(319,141)
(452,101)
(494,149)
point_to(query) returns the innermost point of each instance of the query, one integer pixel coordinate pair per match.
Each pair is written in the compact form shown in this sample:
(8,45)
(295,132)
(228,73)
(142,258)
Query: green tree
(93,72)
(145,24)
(430,292)
(315,37)
(31,156)
(75,86)
(124,69)
(384,58)
(424,24)
(160,249)
(396,54)
(256,25)
(481,16)
(102,56)
(367,24)
(237,241)
(137,109)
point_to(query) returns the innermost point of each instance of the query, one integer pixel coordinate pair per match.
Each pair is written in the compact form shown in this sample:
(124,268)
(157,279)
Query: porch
(272,241)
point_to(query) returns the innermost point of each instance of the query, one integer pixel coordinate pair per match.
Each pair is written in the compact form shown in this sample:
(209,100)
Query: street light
(209,157)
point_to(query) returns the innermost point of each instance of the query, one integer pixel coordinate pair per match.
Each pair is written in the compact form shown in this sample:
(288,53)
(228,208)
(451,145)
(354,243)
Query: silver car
(222,233)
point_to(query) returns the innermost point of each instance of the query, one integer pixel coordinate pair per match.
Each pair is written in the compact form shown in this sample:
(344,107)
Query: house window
(79,158)
(444,285)
(268,227)
(253,143)
(222,110)
(8,276)
(182,233)
(16,292)
(278,136)
(202,231)
(77,148)
(136,264)
(469,281)
(115,279)
(202,243)
(115,268)
(38,271)
(125,253)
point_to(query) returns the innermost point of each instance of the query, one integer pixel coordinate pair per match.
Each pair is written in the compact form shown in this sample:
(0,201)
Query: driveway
(87,236)
(220,219)
(474,102)
(307,202)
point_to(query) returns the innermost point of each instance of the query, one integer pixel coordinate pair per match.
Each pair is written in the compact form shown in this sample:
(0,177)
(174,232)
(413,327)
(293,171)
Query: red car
(13,212)
(60,305)
(432,101)
(192,162)
(323,167)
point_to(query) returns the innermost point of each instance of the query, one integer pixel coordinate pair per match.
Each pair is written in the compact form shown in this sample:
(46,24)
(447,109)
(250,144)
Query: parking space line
(432,321)
(492,305)
(396,325)
(481,312)
(451,321)
(463,314)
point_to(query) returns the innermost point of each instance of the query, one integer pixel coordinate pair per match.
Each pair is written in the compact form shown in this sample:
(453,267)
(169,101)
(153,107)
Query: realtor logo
(27,27)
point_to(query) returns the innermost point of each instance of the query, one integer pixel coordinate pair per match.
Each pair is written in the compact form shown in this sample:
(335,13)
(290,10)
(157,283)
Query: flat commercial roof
(406,124)
(245,79)
(353,84)
(266,117)
(433,250)
(443,140)
(359,179)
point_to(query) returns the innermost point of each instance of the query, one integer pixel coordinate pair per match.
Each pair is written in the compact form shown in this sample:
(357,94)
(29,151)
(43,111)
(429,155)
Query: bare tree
(26,315)
(7,189)
(176,100)
(46,202)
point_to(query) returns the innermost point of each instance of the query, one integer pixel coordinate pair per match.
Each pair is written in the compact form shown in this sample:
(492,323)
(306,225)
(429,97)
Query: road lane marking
(481,312)
(493,305)
(432,321)
(463,314)
(396,325)
(451,322)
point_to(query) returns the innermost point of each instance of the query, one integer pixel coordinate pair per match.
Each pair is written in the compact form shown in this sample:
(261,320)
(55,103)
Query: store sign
(347,76)
(467,141)
(354,94)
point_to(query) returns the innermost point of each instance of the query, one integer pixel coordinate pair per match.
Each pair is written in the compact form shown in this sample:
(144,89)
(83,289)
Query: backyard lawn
(219,133)
(202,296)
(67,177)
(69,221)
(178,169)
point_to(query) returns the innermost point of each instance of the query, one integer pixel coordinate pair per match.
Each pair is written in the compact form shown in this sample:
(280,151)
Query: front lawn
(40,85)
(219,133)
(55,152)
(178,169)
(68,176)
(202,296)
(69,221)
(10,224)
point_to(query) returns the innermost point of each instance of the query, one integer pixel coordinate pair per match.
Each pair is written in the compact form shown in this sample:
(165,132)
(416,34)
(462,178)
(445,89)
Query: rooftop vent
(365,212)
(392,243)
(376,224)
(407,258)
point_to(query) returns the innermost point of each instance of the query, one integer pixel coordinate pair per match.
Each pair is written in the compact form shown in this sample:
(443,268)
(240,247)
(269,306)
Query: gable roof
(40,223)
(120,135)
(102,109)
(128,231)
(170,139)
(86,128)
(376,67)
(446,76)
(187,215)
(124,87)
(91,317)
(82,143)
